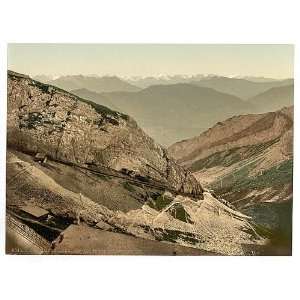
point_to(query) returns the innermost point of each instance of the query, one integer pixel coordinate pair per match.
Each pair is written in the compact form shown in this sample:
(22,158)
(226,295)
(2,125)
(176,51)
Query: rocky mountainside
(42,118)
(249,145)
(93,83)
(121,217)
(247,160)
(273,99)
(160,111)
(106,186)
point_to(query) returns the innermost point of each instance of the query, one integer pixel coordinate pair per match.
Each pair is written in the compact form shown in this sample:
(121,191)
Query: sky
(125,60)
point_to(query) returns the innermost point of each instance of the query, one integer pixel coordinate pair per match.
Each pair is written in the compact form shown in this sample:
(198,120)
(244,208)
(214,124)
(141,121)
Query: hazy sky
(150,59)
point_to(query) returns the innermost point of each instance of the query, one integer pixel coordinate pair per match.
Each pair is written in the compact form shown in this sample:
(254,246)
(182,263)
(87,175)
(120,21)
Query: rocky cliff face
(42,118)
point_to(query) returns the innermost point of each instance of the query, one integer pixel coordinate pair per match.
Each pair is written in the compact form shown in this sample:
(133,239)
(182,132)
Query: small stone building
(35,211)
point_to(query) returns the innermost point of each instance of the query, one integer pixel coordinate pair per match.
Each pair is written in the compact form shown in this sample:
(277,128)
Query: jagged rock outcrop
(43,118)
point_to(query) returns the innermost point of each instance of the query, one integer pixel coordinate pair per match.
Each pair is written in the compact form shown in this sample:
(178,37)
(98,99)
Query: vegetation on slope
(240,179)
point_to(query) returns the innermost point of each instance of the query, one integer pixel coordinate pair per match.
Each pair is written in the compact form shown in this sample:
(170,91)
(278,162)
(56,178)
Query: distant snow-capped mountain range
(49,77)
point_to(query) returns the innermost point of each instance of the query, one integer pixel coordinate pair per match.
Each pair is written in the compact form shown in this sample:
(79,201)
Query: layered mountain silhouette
(169,113)
(93,83)
(240,87)
(42,78)
(273,99)
(98,98)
